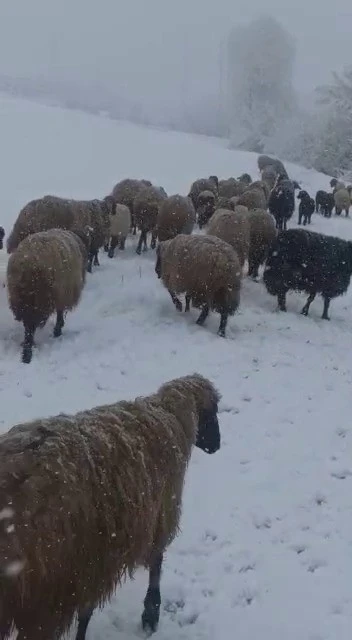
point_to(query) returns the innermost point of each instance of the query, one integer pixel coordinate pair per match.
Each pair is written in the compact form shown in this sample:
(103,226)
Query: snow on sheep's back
(265,542)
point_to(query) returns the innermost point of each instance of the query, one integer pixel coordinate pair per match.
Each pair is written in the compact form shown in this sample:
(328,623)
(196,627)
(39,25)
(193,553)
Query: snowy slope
(265,548)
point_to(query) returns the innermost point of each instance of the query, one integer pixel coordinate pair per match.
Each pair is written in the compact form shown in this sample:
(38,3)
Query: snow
(265,546)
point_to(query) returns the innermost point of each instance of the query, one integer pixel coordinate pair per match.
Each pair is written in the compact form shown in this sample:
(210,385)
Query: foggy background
(157,61)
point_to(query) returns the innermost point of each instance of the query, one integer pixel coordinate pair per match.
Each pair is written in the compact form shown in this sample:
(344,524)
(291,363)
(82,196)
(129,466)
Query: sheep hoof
(110,253)
(221,333)
(27,355)
(106,248)
(304,312)
(325,317)
(178,305)
(150,619)
(138,251)
(57,332)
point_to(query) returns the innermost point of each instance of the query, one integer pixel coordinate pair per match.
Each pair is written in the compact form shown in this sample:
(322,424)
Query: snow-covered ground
(266,544)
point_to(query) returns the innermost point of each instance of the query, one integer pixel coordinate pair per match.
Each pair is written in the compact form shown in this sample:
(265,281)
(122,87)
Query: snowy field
(266,544)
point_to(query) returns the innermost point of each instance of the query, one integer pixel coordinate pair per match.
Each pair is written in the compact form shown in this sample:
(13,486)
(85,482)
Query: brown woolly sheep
(261,184)
(120,224)
(342,201)
(46,274)
(206,269)
(125,191)
(52,212)
(89,498)
(269,176)
(225,203)
(203,184)
(176,215)
(266,161)
(262,234)
(253,199)
(231,187)
(145,210)
(205,207)
(233,228)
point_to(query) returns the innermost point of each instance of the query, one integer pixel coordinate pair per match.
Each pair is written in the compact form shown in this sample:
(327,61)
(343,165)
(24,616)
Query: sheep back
(231,227)
(45,274)
(120,221)
(125,191)
(90,496)
(262,235)
(231,187)
(176,215)
(253,199)
(204,267)
(146,207)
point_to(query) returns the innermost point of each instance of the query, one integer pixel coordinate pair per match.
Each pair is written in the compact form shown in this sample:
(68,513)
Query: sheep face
(208,436)
(245,178)
(2,235)
(215,179)
(205,208)
(333,183)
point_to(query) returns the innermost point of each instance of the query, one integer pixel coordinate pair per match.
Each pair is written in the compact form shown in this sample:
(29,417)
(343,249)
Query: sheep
(269,175)
(266,161)
(203,184)
(2,236)
(282,201)
(125,191)
(306,207)
(88,498)
(231,187)
(176,215)
(206,269)
(46,274)
(51,212)
(336,185)
(205,207)
(342,201)
(224,203)
(145,210)
(253,199)
(240,208)
(324,203)
(262,234)
(245,178)
(260,184)
(308,261)
(120,223)
(233,228)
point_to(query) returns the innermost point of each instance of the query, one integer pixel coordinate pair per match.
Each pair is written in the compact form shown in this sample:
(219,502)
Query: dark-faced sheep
(306,208)
(206,269)
(176,215)
(303,260)
(262,235)
(205,207)
(125,191)
(282,202)
(86,499)
(245,178)
(324,203)
(203,184)
(45,275)
(233,228)
(337,184)
(120,223)
(342,201)
(145,210)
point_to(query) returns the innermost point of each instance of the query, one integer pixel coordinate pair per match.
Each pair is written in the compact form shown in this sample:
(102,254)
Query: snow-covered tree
(260,90)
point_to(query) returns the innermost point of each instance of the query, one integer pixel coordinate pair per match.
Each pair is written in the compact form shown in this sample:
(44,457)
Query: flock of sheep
(88,498)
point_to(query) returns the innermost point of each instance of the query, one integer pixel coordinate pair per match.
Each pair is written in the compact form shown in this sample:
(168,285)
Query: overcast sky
(155,49)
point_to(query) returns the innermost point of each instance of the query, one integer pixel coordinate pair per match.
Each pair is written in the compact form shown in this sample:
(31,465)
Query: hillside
(265,544)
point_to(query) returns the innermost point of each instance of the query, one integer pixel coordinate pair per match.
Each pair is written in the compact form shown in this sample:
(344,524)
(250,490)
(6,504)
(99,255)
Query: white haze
(158,52)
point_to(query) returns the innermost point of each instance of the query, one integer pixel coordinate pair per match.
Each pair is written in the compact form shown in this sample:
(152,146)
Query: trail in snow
(265,547)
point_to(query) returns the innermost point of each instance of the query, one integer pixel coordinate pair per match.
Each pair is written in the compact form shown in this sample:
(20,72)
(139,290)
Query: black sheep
(324,203)
(307,261)
(306,207)
(282,201)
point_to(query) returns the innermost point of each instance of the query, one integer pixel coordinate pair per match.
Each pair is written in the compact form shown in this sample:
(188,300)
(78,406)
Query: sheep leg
(223,324)
(28,343)
(153,240)
(152,600)
(253,268)
(59,324)
(188,301)
(305,309)
(176,301)
(326,308)
(90,261)
(122,243)
(83,622)
(142,238)
(145,246)
(96,259)
(113,245)
(203,316)
(281,300)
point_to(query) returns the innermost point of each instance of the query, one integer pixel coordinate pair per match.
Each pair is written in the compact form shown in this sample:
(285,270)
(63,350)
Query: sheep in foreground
(282,202)
(52,212)
(306,207)
(342,201)
(307,261)
(203,184)
(253,198)
(89,498)
(206,269)
(262,235)
(46,274)
(233,228)
(205,207)
(120,223)
(125,191)
(176,215)
(324,203)
(145,210)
